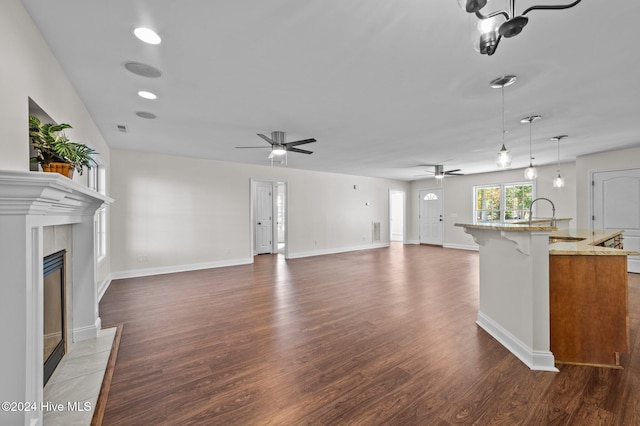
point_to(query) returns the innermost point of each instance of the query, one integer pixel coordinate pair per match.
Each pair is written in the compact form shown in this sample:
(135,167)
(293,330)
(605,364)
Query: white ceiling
(384,86)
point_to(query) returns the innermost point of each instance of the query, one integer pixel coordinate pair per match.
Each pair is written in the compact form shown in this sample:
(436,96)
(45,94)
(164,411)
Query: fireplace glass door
(54,318)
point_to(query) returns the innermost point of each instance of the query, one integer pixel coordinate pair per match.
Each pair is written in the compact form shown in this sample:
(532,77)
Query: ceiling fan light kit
(493,25)
(278,145)
(439,172)
(278,150)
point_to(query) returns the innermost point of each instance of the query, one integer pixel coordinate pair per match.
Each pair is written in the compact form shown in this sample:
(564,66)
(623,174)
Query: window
(101,233)
(96,181)
(518,198)
(487,205)
(502,202)
(430,197)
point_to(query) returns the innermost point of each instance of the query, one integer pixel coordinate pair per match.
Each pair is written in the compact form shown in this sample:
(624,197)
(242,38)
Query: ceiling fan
(279,146)
(439,172)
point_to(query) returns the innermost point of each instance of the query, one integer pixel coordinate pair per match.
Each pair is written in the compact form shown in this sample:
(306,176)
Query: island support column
(514,290)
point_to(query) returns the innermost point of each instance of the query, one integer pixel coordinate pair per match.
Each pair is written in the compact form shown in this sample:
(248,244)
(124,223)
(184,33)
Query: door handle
(259,223)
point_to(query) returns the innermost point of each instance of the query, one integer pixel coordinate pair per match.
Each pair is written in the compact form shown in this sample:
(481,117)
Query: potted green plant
(55,152)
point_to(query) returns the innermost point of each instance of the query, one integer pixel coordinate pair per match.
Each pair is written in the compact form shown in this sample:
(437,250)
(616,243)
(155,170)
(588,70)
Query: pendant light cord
(530,157)
(503,115)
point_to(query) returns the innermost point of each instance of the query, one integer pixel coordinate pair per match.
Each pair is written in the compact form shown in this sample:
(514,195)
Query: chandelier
(492,26)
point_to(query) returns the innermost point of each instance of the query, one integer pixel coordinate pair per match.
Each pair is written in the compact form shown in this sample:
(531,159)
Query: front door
(264,211)
(431,223)
(616,205)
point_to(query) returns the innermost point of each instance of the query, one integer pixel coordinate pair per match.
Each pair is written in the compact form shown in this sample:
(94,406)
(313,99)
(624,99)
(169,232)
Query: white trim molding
(134,273)
(30,201)
(535,360)
(461,247)
(336,250)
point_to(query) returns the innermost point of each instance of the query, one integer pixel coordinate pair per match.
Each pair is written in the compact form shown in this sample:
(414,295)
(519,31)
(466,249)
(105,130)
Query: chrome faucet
(553,208)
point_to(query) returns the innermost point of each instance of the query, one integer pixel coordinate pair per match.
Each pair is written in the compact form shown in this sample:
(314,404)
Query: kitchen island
(528,300)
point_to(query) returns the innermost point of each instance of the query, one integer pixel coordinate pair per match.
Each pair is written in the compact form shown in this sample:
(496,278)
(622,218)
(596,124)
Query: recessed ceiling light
(147,35)
(147,95)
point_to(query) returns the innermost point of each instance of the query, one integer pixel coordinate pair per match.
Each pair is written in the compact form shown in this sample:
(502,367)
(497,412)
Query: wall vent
(375,231)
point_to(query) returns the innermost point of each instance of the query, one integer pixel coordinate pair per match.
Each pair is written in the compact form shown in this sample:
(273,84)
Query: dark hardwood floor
(384,336)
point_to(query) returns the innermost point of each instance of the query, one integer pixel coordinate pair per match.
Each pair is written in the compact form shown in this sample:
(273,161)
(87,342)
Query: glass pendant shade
(558,182)
(504,157)
(530,173)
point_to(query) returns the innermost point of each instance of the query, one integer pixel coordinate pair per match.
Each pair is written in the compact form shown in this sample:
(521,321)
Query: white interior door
(396,215)
(264,209)
(280,213)
(616,205)
(431,221)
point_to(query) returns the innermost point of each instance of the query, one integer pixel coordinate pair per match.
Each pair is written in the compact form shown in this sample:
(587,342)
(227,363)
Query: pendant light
(530,173)
(558,181)
(504,156)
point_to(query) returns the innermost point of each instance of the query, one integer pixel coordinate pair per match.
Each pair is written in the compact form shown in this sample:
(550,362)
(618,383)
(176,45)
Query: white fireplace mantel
(30,201)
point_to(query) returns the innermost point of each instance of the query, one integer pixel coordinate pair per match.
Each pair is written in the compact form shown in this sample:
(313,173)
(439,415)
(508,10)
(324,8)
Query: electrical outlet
(142,258)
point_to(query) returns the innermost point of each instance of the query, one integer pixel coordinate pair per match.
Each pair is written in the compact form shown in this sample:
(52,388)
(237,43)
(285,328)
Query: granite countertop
(501,226)
(586,243)
(541,220)
(578,242)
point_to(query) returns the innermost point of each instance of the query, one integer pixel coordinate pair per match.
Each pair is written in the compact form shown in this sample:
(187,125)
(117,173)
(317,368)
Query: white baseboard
(461,247)
(336,250)
(134,273)
(102,288)
(88,332)
(412,242)
(535,360)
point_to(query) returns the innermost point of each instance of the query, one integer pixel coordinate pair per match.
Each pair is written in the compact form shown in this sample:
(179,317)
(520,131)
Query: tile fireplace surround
(29,202)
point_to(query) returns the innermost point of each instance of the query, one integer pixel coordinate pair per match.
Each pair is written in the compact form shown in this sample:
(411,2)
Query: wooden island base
(588,309)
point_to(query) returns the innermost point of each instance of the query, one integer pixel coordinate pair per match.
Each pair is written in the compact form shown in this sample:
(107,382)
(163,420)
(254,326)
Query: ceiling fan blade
(298,150)
(266,138)
(453,171)
(262,147)
(300,142)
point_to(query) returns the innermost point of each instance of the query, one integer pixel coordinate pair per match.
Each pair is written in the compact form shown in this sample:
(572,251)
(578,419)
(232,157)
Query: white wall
(604,161)
(458,199)
(177,212)
(28,69)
